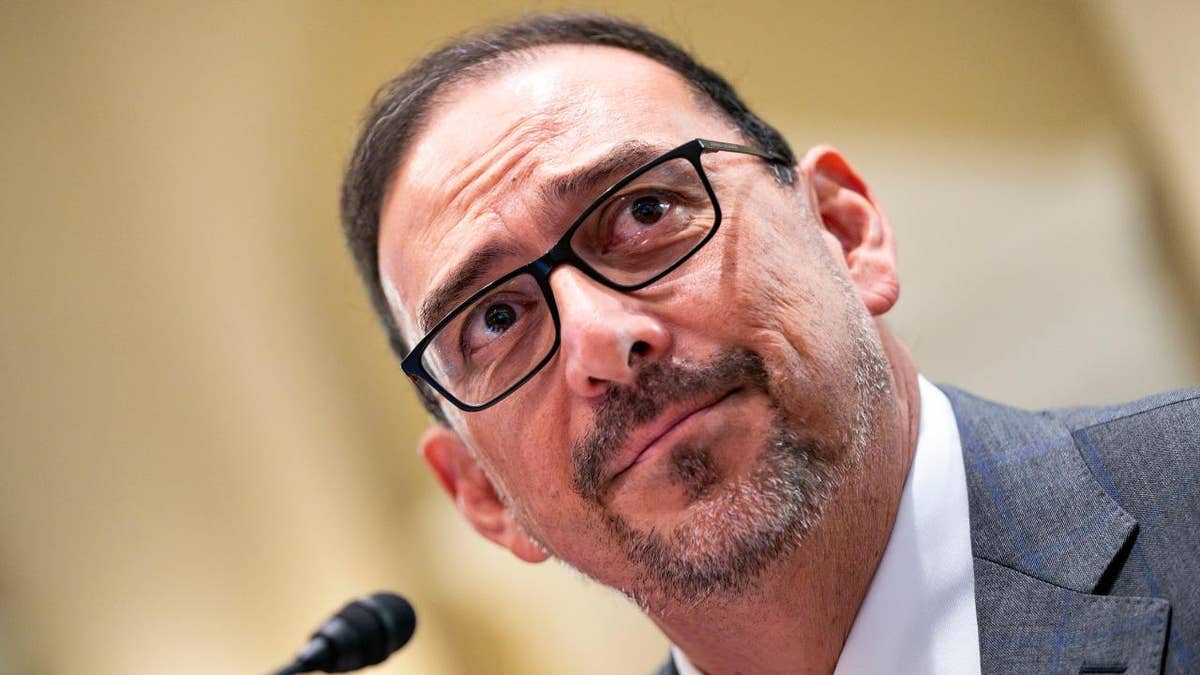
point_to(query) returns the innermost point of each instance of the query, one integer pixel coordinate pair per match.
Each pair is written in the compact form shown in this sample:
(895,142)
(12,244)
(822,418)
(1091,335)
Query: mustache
(659,384)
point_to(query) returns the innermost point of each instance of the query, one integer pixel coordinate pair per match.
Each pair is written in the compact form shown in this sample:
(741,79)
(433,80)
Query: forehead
(472,174)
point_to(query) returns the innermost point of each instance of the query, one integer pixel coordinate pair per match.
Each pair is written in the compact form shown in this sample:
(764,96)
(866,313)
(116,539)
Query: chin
(726,536)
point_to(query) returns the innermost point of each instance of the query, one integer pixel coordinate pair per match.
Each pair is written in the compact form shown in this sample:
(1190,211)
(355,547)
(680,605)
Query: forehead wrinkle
(470,192)
(514,144)
(625,157)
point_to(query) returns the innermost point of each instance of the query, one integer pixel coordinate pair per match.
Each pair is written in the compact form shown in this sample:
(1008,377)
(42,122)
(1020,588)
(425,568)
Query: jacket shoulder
(1145,450)
(1167,404)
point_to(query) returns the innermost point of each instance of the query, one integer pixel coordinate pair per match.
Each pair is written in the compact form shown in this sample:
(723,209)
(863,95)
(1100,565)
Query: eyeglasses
(637,232)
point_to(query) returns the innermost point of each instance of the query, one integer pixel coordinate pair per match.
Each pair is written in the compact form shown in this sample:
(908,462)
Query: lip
(642,443)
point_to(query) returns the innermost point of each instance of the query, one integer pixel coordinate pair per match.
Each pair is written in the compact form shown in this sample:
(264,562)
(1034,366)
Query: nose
(604,338)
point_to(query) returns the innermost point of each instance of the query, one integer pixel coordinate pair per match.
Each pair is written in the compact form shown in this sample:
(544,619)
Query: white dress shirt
(919,613)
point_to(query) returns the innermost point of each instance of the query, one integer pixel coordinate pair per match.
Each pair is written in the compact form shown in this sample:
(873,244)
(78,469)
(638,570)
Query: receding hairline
(507,62)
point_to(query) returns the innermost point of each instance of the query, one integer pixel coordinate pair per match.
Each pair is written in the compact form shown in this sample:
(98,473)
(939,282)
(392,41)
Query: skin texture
(797,276)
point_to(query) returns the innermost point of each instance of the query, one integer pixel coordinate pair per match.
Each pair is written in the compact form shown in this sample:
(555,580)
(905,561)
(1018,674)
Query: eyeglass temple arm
(714,146)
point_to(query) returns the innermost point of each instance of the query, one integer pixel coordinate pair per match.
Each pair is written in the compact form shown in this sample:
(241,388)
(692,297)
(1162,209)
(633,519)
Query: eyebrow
(623,159)
(468,273)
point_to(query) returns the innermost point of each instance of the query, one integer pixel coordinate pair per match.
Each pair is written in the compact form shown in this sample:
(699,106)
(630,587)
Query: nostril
(638,350)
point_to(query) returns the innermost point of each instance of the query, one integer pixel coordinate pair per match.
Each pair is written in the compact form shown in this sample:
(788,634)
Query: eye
(498,318)
(489,322)
(640,220)
(648,210)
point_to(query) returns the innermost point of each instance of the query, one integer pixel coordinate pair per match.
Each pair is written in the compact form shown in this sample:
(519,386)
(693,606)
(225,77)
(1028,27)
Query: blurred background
(205,444)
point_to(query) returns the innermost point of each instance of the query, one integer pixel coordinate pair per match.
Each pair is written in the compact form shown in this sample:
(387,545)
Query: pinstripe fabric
(1085,528)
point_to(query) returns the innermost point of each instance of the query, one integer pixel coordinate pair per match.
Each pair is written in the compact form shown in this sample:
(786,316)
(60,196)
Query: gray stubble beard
(737,530)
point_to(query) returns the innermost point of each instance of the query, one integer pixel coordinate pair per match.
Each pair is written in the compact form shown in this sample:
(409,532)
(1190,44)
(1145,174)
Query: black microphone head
(363,633)
(397,616)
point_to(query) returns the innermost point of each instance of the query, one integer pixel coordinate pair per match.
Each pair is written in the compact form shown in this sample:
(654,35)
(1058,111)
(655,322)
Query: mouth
(658,436)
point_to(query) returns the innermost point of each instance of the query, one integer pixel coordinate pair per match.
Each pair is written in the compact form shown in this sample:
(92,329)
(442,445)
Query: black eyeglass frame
(561,253)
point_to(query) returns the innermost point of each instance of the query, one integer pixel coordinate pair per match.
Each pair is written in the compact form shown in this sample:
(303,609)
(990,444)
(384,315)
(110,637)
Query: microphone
(363,633)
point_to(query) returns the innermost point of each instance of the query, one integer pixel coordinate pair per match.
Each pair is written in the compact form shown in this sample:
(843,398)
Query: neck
(798,617)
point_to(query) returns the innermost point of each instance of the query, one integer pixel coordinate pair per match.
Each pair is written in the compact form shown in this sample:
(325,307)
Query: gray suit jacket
(1085,529)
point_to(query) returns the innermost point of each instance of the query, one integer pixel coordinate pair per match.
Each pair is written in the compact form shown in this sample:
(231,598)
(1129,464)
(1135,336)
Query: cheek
(767,279)
(527,447)
(778,292)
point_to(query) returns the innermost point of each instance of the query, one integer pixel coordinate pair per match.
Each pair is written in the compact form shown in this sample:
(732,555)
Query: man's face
(685,435)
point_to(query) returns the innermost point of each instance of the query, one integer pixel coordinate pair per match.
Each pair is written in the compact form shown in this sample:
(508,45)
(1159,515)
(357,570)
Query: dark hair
(400,106)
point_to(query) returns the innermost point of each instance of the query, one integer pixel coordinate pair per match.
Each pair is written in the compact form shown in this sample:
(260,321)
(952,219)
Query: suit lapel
(1043,533)
(1027,625)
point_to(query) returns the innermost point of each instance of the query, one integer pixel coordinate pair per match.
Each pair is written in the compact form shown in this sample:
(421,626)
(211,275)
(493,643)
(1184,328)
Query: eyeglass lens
(647,226)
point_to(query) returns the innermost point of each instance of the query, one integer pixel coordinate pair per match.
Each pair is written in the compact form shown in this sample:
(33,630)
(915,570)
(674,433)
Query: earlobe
(465,481)
(524,547)
(856,223)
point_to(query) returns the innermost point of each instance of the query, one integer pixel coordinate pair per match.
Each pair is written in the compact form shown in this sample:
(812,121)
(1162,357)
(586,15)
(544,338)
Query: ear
(473,493)
(859,231)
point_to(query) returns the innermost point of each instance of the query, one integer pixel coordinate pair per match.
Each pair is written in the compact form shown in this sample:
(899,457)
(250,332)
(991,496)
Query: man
(652,341)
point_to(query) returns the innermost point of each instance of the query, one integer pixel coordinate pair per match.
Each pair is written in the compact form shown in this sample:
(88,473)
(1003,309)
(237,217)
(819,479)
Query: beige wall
(205,444)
